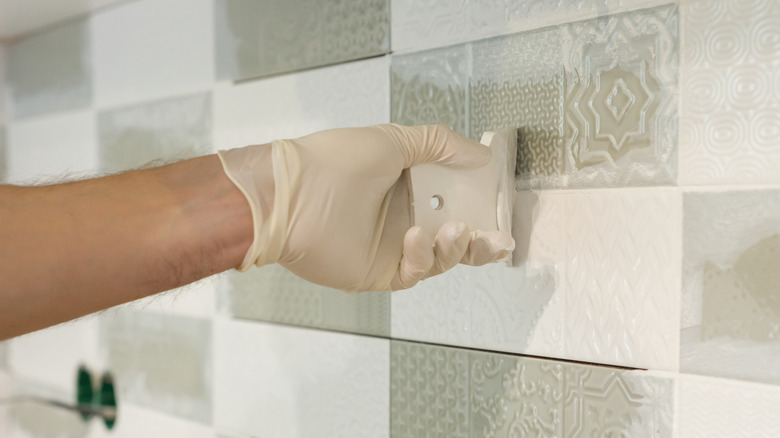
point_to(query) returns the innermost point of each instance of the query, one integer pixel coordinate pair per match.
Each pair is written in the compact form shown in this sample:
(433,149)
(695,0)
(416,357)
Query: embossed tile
(139,55)
(292,382)
(51,71)
(161,131)
(731,317)
(430,88)
(431,23)
(257,39)
(162,362)
(730,110)
(273,294)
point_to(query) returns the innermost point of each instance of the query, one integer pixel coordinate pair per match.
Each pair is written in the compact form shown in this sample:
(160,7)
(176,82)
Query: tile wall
(643,300)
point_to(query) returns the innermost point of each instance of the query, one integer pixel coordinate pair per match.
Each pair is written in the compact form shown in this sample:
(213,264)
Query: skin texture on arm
(76,248)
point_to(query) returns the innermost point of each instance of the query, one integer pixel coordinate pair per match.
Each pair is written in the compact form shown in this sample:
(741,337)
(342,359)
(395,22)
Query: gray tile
(3,155)
(731,306)
(273,294)
(3,355)
(160,361)
(261,38)
(51,71)
(430,88)
(162,131)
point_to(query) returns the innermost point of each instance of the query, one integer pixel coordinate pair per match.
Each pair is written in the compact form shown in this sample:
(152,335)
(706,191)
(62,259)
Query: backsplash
(643,299)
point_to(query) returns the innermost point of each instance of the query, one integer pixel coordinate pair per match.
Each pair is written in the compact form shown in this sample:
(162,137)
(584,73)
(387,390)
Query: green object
(108,399)
(84,392)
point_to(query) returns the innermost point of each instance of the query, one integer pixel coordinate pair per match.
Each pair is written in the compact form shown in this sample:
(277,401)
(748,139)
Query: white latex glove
(337,211)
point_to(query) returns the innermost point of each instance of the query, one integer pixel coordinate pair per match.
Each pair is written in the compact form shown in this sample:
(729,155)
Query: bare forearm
(76,248)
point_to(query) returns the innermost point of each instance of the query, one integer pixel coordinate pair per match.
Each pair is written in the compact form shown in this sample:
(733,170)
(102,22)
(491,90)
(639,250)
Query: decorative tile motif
(272,293)
(731,317)
(730,92)
(430,88)
(162,362)
(162,131)
(279,36)
(51,71)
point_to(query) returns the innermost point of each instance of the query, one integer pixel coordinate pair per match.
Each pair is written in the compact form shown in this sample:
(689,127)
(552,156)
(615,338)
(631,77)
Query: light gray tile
(162,131)
(730,301)
(278,36)
(160,361)
(430,88)
(3,355)
(51,71)
(3,156)
(273,294)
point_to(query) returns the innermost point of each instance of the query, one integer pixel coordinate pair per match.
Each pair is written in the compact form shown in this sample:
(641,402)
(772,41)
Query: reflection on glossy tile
(430,88)
(272,293)
(730,106)
(51,71)
(160,361)
(438,391)
(162,131)
(731,317)
(278,36)
(280,381)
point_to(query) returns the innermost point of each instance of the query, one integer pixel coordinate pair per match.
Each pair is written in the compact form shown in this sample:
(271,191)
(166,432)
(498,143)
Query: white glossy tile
(294,382)
(354,94)
(139,421)
(149,49)
(52,147)
(730,109)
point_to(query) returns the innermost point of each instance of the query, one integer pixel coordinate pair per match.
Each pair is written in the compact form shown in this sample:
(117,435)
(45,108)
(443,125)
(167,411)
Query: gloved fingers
(450,245)
(437,144)
(416,260)
(487,247)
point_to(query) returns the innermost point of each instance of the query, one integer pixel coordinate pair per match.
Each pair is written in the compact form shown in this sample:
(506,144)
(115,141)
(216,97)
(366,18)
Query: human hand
(337,211)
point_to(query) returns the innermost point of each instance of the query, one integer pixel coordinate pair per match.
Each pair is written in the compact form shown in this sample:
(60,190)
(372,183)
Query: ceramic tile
(155,133)
(726,408)
(3,156)
(3,84)
(353,94)
(731,319)
(3,355)
(52,147)
(273,294)
(139,56)
(50,71)
(290,382)
(135,421)
(257,39)
(622,277)
(419,24)
(430,88)
(162,362)
(730,110)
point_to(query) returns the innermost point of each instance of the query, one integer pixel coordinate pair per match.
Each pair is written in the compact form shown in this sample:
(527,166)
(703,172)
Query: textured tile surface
(139,55)
(278,36)
(439,391)
(730,106)
(731,315)
(273,294)
(161,131)
(162,362)
(51,71)
(291,382)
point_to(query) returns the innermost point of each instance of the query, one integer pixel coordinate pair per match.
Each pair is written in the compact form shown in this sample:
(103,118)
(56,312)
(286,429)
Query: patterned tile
(730,106)
(419,24)
(430,88)
(161,131)
(162,362)
(50,71)
(273,294)
(278,36)
(292,382)
(731,316)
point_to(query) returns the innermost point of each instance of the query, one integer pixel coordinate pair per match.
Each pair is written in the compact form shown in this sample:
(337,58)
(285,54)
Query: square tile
(420,24)
(731,318)
(730,97)
(430,88)
(271,293)
(289,382)
(138,55)
(51,70)
(256,39)
(162,362)
(161,131)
